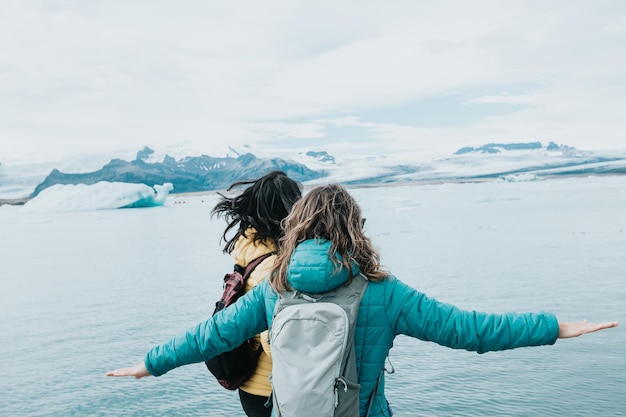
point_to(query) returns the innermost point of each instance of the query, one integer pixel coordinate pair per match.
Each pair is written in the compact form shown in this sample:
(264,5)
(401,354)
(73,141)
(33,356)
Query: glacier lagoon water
(85,292)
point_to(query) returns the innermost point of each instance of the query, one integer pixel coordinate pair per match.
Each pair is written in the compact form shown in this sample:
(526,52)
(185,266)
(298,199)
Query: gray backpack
(313,357)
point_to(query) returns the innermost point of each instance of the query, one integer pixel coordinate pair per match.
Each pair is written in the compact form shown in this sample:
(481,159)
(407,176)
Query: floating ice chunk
(99,196)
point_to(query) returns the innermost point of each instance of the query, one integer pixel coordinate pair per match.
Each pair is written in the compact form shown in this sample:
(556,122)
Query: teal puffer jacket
(388,308)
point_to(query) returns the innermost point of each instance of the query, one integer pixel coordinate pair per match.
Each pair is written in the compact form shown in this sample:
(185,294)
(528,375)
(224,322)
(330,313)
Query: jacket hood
(311,269)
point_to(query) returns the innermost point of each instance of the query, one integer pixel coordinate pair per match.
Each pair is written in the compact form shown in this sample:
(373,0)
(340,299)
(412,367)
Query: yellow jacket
(245,251)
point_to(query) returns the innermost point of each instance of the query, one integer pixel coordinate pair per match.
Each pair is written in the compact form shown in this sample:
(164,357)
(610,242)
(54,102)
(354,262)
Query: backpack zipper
(345,389)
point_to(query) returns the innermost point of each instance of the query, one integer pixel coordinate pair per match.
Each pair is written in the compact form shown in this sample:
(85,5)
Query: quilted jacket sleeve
(428,319)
(223,332)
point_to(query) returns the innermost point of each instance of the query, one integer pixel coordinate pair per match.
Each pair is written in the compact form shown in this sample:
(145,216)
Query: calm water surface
(85,292)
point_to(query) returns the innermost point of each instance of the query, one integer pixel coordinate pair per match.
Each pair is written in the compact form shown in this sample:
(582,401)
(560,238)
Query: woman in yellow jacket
(255,217)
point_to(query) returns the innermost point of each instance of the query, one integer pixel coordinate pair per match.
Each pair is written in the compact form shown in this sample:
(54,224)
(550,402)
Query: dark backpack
(235,367)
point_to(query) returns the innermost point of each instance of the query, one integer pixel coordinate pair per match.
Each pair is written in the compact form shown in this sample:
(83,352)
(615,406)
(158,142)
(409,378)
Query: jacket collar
(246,249)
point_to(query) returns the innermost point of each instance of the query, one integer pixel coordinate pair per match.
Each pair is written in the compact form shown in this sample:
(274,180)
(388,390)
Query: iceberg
(100,196)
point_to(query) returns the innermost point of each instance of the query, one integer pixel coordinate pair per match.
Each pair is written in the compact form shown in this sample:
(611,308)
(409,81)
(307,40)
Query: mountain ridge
(524,160)
(188,174)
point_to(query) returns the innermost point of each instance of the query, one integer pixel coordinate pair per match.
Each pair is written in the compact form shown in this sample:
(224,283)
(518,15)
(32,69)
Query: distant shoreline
(24,200)
(434,181)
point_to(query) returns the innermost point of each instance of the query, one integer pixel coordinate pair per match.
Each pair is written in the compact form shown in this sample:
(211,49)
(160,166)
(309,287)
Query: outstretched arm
(138,371)
(221,333)
(447,325)
(575,329)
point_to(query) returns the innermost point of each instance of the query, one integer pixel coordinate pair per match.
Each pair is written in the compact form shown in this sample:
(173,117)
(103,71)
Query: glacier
(491,162)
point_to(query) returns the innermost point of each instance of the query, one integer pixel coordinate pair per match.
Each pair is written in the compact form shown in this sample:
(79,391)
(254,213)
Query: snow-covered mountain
(504,161)
(188,174)
(503,147)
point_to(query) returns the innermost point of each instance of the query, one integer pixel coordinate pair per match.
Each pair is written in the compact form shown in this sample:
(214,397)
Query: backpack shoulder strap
(254,263)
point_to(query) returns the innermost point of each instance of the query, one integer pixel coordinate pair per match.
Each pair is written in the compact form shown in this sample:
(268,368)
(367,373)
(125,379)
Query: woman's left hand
(574,329)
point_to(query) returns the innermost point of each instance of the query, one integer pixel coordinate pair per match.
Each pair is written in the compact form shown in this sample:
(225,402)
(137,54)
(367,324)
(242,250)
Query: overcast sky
(412,76)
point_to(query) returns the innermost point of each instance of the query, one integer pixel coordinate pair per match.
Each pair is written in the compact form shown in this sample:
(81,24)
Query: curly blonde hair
(328,212)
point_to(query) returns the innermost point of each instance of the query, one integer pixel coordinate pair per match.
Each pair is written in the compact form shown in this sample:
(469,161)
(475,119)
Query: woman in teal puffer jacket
(324,247)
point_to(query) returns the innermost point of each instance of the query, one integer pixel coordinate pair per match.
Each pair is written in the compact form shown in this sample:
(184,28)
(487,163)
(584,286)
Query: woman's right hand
(138,371)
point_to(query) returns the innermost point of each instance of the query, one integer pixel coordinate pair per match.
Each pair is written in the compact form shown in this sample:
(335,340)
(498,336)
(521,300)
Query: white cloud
(94,76)
(502,99)
(280,130)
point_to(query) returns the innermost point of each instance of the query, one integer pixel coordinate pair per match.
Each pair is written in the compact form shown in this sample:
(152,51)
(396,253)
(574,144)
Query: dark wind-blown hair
(262,205)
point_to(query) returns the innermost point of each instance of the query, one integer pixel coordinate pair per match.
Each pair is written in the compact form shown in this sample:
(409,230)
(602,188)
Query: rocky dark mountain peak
(189,174)
(321,156)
